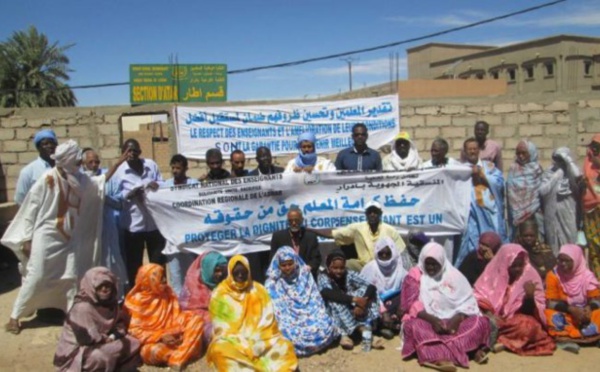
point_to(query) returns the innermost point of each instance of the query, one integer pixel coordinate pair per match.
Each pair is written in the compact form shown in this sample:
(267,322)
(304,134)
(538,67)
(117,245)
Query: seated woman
(540,254)
(573,295)
(307,159)
(351,301)
(94,337)
(511,293)
(205,273)
(474,264)
(442,322)
(386,273)
(299,307)
(168,335)
(246,335)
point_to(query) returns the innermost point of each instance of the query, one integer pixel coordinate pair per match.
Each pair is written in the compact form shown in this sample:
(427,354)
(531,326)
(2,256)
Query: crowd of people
(522,277)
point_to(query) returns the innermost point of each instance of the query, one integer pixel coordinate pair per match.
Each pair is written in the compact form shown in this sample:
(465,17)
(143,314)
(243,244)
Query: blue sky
(111,34)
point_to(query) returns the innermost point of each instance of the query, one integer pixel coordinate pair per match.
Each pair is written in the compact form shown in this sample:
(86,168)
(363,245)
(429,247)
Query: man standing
(364,235)
(238,161)
(265,163)
(90,162)
(214,160)
(487,201)
(134,176)
(56,234)
(178,260)
(404,155)
(359,157)
(304,242)
(439,152)
(489,150)
(45,142)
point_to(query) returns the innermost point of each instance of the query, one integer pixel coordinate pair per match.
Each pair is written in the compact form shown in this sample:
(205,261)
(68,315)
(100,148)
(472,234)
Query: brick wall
(550,121)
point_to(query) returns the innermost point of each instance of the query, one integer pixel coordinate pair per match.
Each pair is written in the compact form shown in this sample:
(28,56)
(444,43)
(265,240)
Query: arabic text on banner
(277,126)
(239,215)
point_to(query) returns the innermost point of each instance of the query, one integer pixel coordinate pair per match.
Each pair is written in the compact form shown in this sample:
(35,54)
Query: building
(563,63)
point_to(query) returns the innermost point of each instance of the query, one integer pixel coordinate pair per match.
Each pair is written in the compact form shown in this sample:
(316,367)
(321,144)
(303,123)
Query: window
(512,74)
(549,68)
(529,72)
(495,75)
(587,68)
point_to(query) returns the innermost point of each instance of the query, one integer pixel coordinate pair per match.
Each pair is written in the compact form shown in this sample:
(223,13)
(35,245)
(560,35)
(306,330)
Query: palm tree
(33,72)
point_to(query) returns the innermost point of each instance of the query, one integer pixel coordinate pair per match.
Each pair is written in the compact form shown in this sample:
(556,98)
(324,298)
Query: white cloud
(379,66)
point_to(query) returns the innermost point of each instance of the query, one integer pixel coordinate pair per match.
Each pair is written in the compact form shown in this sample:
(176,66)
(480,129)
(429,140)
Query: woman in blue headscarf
(299,307)
(307,159)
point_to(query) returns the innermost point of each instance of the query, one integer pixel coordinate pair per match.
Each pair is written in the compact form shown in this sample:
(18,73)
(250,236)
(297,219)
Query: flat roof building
(562,63)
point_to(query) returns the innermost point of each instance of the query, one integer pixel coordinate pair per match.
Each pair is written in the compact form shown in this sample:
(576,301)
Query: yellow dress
(245,332)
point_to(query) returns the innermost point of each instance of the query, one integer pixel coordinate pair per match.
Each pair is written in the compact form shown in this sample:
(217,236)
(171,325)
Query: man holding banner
(364,235)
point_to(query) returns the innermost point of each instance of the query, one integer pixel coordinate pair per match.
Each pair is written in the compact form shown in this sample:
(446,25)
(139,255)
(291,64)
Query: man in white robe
(56,234)
(404,155)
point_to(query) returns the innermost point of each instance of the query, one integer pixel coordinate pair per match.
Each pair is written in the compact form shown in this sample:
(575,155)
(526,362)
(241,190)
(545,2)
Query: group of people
(81,231)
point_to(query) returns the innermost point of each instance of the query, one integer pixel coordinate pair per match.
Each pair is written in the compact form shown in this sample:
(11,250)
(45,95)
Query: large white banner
(239,215)
(277,126)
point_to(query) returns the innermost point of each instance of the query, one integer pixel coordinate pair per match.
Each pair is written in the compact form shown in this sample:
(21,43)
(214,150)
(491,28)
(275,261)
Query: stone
(27,157)
(15,145)
(527,107)
(504,131)
(426,133)
(545,118)
(412,121)
(7,134)
(427,110)
(453,110)
(14,122)
(557,106)
(479,109)
(529,130)
(562,130)
(503,108)
(454,132)
(437,121)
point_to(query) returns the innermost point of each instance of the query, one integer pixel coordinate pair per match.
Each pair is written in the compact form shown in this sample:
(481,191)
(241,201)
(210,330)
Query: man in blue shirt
(360,157)
(45,142)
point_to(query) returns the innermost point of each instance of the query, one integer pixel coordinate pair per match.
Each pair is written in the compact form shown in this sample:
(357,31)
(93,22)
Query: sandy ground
(33,350)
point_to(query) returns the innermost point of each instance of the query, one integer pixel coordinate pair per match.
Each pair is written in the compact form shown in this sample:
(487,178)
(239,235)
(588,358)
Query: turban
(67,156)
(44,134)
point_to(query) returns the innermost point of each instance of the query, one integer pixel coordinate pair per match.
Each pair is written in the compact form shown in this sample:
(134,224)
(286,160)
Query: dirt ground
(33,350)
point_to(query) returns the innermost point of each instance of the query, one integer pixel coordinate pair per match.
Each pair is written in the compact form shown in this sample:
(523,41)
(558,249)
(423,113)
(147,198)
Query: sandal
(378,343)
(13,326)
(346,343)
(497,348)
(481,356)
(441,366)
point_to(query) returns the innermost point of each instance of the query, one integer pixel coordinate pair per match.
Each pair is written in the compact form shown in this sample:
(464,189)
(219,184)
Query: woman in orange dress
(168,335)
(573,295)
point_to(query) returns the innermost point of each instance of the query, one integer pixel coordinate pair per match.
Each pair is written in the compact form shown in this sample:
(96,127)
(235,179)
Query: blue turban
(304,160)
(44,134)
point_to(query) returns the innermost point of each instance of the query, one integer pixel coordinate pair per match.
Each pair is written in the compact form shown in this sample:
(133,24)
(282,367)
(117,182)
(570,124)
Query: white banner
(238,215)
(278,126)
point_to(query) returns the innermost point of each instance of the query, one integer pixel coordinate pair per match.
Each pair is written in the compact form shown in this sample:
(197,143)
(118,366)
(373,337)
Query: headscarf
(523,184)
(44,134)
(67,156)
(493,284)
(564,187)
(411,161)
(152,305)
(490,239)
(198,284)
(298,305)
(449,292)
(305,160)
(581,280)
(385,275)
(591,172)
(90,282)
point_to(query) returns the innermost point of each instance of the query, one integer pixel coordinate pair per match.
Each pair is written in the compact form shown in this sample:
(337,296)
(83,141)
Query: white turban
(67,156)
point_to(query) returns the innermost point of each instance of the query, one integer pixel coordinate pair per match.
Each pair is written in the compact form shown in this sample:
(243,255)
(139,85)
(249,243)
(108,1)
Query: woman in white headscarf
(386,273)
(307,159)
(442,321)
(404,155)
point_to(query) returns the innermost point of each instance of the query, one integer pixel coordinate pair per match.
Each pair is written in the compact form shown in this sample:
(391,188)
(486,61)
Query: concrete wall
(550,121)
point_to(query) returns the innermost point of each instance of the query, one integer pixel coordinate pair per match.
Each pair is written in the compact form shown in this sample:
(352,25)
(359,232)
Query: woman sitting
(351,301)
(205,273)
(442,322)
(299,307)
(511,292)
(474,264)
(246,335)
(386,273)
(307,159)
(540,254)
(168,335)
(94,337)
(573,295)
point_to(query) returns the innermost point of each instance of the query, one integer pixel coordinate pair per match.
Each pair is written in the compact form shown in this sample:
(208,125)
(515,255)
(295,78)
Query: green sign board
(177,83)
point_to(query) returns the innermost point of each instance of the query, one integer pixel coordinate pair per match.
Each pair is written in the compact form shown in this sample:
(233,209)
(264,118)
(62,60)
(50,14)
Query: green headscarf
(209,263)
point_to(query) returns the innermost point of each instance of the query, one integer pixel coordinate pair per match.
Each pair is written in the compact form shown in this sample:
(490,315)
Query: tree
(33,72)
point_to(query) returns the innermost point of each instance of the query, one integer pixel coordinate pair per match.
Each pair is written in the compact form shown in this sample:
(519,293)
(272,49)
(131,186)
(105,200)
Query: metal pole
(349,61)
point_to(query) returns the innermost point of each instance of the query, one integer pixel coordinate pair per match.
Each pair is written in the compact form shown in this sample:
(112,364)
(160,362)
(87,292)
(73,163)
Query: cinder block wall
(550,121)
